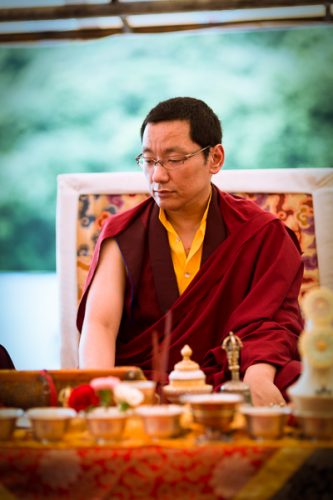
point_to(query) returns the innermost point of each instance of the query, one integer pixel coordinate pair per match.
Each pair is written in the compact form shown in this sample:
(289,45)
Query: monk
(212,261)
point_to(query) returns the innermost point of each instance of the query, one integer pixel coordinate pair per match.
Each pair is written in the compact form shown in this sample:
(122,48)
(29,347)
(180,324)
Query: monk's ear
(216,157)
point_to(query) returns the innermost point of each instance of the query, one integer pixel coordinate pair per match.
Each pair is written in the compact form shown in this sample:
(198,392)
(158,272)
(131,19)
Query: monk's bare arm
(103,310)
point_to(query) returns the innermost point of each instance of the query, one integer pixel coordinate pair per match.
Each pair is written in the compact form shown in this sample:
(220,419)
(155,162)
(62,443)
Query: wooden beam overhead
(80,11)
(39,23)
(95,33)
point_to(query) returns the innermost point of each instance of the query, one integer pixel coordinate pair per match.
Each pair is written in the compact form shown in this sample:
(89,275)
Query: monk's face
(182,185)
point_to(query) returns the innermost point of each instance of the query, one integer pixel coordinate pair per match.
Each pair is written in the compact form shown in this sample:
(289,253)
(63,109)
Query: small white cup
(8,418)
(161,421)
(50,423)
(106,424)
(265,422)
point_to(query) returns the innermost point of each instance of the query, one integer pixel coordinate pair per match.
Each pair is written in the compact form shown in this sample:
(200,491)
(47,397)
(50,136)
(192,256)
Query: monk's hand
(260,379)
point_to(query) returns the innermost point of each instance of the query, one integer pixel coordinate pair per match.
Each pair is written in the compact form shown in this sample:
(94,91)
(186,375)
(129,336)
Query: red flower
(83,397)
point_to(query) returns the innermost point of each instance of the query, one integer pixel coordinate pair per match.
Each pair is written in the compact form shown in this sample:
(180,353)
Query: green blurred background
(78,107)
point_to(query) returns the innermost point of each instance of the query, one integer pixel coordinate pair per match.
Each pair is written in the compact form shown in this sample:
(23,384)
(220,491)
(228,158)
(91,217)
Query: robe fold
(248,283)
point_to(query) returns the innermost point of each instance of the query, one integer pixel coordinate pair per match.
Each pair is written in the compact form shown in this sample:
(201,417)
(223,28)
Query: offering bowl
(161,421)
(214,411)
(8,418)
(265,422)
(147,387)
(312,403)
(315,425)
(50,423)
(106,424)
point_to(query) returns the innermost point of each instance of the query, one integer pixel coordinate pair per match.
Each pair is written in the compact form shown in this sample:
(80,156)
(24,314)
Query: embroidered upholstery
(93,210)
(294,209)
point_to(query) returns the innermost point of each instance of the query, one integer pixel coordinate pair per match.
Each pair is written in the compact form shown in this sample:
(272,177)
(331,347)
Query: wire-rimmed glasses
(171,163)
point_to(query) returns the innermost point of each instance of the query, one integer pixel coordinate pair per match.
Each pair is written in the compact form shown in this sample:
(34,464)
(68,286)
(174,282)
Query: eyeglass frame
(161,162)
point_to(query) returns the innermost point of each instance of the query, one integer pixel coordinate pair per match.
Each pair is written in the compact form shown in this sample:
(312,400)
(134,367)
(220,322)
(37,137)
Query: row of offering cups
(215,412)
(105,424)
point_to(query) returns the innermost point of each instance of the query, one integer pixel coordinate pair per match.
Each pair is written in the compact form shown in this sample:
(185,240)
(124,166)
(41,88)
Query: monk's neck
(183,223)
(187,221)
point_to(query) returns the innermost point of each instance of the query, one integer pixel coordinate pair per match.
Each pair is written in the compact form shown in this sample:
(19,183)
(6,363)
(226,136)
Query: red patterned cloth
(287,469)
(206,472)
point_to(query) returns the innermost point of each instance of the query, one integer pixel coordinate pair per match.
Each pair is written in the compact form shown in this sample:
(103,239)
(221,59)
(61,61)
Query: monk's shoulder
(117,223)
(237,209)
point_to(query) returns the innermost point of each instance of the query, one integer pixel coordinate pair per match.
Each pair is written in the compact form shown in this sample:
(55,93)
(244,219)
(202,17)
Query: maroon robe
(6,362)
(248,283)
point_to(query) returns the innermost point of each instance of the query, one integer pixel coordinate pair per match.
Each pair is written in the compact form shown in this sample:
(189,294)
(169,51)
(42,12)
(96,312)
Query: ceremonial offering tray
(8,418)
(50,424)
(29,389)
(106,424)
(265,422)
(161,421)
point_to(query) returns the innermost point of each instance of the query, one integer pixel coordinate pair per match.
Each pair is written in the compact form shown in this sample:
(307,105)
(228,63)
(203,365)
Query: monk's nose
(159,173)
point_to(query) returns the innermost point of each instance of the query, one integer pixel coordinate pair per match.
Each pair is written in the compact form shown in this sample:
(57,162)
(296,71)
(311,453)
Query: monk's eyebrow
(167,151)
(174,150)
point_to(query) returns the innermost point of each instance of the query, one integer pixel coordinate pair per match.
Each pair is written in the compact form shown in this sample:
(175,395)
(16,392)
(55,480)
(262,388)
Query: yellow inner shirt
(185,266)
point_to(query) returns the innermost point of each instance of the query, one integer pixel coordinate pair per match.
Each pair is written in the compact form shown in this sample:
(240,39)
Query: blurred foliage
(78,107)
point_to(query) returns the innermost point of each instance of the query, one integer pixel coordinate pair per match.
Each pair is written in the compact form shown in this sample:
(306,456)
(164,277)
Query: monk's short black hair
(205,127)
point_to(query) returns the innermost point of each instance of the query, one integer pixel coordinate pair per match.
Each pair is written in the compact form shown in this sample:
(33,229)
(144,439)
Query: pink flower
(101,383)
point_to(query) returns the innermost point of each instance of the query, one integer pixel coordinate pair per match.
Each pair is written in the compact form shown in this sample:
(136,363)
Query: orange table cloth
(77,468)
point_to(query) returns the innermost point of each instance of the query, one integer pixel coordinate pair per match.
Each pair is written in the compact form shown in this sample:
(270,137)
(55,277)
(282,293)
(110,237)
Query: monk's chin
(165,201)
(168,207)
